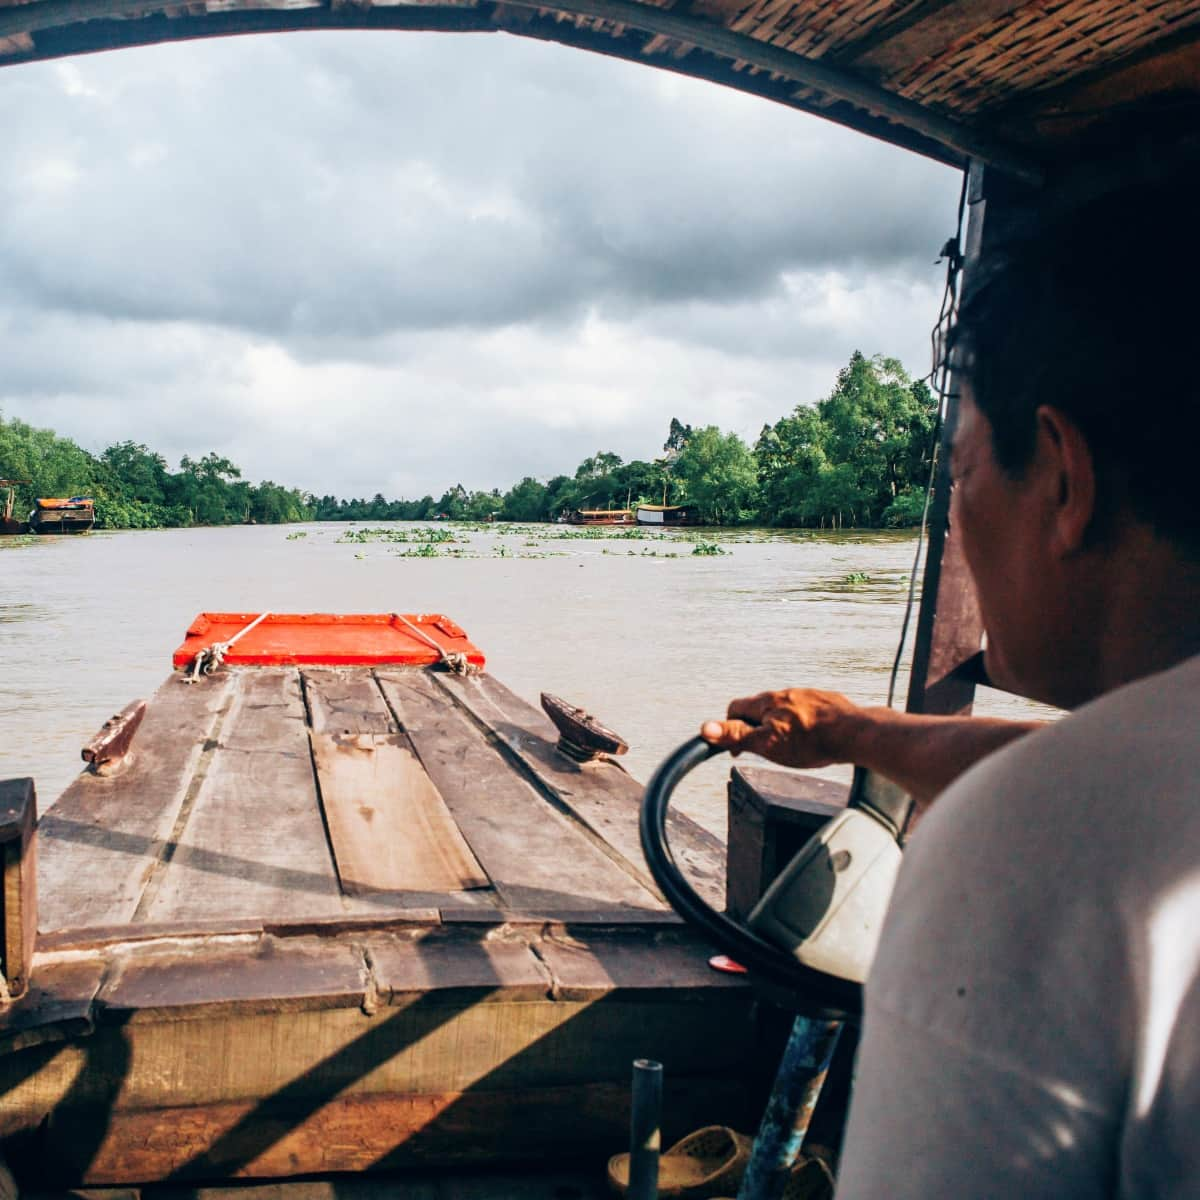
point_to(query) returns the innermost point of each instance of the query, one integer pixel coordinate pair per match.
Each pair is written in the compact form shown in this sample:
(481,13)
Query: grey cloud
(361,263)
(423,182)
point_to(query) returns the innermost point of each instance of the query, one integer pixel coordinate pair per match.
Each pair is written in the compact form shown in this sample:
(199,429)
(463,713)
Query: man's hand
(804,727)
(800,727)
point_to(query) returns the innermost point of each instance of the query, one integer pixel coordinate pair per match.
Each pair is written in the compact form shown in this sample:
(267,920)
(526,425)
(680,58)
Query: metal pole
(790,1108)
(645,1137)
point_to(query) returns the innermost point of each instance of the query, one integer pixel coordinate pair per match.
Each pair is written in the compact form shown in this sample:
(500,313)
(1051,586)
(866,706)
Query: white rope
(211,657)
(456,662)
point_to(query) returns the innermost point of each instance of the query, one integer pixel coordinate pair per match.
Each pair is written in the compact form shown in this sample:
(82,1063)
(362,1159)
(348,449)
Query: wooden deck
(242,971)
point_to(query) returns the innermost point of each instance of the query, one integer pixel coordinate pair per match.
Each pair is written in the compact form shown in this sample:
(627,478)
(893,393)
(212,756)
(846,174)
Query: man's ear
(1070,474)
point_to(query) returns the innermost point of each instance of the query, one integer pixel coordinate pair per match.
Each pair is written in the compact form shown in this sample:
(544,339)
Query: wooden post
(949,626)
(18,896)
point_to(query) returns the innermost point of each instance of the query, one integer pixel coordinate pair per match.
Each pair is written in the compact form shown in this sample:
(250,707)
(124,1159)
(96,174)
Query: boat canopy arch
(1021,85)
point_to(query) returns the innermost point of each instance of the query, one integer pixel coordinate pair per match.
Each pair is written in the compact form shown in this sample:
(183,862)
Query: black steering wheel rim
(811,992)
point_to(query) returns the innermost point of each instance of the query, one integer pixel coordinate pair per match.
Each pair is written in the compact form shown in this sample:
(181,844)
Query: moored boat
(601,516)
(332,900)
(666,514)
(73,514)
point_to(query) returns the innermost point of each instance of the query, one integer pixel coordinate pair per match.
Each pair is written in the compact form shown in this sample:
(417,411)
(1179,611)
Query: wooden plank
(263,974)
(247,1140)
(669,963)
(600,796)
(18,893)
(535,1183)
(389,826)
(252,843)
(99,841)
(346,701)
(459,965)
(536,858)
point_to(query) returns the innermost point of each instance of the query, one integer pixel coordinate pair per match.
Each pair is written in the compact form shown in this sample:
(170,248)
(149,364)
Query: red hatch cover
(327,639)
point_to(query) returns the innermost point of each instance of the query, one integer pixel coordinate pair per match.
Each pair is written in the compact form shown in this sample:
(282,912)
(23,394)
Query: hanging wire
(939,383)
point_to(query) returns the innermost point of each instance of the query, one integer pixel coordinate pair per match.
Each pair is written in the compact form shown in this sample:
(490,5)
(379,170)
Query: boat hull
(241,971)
(617,517)
(665,516)
(62,520)
(283,1054)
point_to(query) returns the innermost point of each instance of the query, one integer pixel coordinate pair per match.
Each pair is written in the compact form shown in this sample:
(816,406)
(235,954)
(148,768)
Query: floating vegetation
(856,577)
(426,536)
(708,548)
(291,537)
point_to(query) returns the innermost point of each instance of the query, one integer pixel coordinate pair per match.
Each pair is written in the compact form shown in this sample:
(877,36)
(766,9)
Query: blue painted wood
(797,1085)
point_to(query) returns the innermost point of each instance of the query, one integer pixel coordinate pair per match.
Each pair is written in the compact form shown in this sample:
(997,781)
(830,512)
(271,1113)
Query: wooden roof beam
(835,82)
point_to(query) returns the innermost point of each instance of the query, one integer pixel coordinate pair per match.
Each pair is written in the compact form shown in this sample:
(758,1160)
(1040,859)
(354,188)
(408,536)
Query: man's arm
(806,727)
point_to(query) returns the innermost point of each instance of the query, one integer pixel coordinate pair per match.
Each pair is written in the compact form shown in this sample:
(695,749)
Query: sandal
(811,1179)
(703,1164)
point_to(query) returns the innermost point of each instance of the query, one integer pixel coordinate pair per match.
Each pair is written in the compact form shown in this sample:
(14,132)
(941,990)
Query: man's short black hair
(1097,315)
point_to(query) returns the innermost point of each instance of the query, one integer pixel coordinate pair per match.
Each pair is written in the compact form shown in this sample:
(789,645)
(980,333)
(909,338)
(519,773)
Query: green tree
(525,501)
(135,472)
(717,475)
(453,503)
(850,459)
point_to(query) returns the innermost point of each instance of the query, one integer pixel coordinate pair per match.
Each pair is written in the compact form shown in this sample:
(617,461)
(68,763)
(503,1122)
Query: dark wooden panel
(949,625)
(253,843)
(602,797)
(771,815)
(57,1005)
(18,894)
(99,841)
(536,858)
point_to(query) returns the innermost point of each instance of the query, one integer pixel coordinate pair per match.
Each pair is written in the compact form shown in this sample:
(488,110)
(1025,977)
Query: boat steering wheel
(816,897)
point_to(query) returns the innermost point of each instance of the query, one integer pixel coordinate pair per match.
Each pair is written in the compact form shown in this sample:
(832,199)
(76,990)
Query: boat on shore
(601,516)
(73,514)
(666,514)
(334,899)
(9,525)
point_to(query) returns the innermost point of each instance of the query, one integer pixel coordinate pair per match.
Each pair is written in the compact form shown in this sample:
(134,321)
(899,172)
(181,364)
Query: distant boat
(666,514)
(8,523)
(601,516)
(75,514)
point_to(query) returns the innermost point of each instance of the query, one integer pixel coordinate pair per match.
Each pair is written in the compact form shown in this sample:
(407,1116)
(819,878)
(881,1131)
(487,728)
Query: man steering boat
(1032,1017)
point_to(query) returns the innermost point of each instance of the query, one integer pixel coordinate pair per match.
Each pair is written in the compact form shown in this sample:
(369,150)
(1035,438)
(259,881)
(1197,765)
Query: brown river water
(648,636)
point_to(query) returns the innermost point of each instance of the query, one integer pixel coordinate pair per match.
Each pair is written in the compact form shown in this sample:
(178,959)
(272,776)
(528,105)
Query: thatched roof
(1016,84)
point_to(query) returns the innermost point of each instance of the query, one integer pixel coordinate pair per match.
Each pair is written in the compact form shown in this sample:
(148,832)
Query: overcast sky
(389,262)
